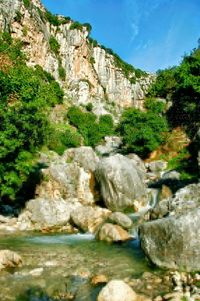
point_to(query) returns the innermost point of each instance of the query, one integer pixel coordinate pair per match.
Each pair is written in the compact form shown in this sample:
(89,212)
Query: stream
(64,264)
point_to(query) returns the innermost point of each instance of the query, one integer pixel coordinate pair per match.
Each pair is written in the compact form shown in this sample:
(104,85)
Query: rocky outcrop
(92,74)
(112,233)
(70,176)
(9,259)
(173,242)
(121,182)
(185,199)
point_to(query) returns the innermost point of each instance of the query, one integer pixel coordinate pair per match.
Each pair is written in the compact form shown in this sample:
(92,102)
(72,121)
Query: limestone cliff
(86,71)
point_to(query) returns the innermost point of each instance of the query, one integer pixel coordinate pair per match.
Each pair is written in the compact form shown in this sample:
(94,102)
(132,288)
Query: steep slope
(86,71)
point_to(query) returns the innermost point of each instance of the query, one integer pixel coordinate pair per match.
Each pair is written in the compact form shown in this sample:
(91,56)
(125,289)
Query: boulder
(84,156)
(112,233)
(66,181)
(88,219)
(173,242)
(121,219)
(111,145)
(44,213)
(9,259)
(121,182)
(185,199)
(157,166)
(117,290)
(137,161)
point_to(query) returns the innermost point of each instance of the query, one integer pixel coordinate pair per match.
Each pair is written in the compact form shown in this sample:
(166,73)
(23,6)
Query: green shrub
(90,129)
(27,3)
(76,25)
(55,20)
(92,60)
(88,27)
(61,139)
(151,104)
(89,107)
(54,45)
(142,132)
(93,42)
(61,71)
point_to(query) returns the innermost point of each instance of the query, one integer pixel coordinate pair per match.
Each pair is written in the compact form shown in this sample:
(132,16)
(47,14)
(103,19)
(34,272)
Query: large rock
(84,156)
(112,233)
(9,259)
(117,290)
(44,213)
(121,219)
(173,242)
(185,199)
(88,219)
(66,181)
(121,182)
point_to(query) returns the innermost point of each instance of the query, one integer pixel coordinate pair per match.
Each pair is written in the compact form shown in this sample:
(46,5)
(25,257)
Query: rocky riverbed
(83,203)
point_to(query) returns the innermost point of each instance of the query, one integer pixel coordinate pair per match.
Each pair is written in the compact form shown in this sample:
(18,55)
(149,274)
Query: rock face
(112,233)
(9,259)
(121,182)
(117,290)
(91,72)
(173,240)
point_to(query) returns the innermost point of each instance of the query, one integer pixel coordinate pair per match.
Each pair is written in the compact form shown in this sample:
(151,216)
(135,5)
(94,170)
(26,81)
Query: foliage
(55,20)
(153,105)
(181,85)
(142,132)
(88,27)
(79,26)
(54,45)
(76,25)
(91,130)
(27,3)
(89,107)
(61,71)
(26,96)
(93,42)
(62,138)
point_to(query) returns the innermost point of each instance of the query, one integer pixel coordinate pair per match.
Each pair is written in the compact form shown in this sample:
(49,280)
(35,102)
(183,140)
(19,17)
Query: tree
(142,132)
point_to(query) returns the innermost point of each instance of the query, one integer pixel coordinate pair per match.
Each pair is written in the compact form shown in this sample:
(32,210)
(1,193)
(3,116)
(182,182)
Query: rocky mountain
(87,71)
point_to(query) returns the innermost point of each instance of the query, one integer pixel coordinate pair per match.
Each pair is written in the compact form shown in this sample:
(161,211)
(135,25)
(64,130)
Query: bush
(61,71)
(142,132)
(90,129)
(54,45)
(27,3)
(55,20)
(61,139)
(155,106)
(76,25)
(88,27)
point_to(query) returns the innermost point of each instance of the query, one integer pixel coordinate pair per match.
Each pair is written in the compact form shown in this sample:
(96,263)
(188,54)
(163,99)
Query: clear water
(65,264)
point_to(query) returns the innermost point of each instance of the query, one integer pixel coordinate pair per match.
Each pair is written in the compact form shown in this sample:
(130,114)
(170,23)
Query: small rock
(117,290)
(36,272)
(9,259)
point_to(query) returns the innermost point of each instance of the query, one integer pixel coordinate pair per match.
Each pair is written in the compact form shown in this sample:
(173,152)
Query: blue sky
(149,34)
